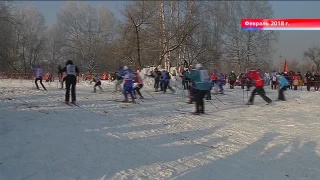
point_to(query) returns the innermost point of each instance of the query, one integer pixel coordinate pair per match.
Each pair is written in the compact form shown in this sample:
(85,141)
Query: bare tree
(6,35)
(248,48)
(313,55)
(86,30)
(138,16)
(28,37)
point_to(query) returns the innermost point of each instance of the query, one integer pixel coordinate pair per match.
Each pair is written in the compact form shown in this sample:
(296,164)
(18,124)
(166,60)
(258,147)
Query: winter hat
(69,62)
(198,66)
(125,67)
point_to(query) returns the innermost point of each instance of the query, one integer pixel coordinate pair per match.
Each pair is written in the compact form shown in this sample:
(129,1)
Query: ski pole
(243,95)
(218,99)
(213,105)
(150,94)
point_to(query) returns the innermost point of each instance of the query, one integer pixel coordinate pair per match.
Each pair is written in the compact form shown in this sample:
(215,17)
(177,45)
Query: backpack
(204,76)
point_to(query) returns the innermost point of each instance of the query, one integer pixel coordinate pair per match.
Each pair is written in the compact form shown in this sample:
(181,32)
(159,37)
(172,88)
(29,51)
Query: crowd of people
(196,80)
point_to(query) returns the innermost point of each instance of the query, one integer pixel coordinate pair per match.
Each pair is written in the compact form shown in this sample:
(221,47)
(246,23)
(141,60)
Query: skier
(259,83)
(232,79)
(38,71)
(119,79)
(97,81)
(156,75)
(72,72)
(165,79)
(128,77)
(201,85)
(274,80)
(137,85)
(283,85)
(219,83)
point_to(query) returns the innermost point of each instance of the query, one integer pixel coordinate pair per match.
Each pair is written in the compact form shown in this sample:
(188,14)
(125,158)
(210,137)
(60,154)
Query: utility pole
(280,62)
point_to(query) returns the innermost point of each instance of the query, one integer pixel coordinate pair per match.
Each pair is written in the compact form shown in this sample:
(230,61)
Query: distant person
(72,72)
(38,71)
(259,83)
(137,85)
(283,85)
(97,81)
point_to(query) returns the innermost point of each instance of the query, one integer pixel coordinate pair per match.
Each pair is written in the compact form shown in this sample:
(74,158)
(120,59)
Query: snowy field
(43,139)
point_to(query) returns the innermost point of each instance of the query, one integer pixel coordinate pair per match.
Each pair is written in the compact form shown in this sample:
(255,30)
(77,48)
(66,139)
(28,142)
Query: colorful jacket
(200,78)
(255,76)
(283,82)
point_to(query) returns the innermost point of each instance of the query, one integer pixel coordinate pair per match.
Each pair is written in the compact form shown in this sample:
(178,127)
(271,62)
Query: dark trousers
(36,82)
(281,94)
(97,84)
(71,81)
(156,83)
(208,95)
(199,95)
(185,84)
(165,86)
(137,89)
(261,92)
(273,84)
(232,83)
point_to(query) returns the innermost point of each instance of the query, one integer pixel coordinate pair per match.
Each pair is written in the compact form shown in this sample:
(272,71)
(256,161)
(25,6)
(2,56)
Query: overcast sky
(291,44)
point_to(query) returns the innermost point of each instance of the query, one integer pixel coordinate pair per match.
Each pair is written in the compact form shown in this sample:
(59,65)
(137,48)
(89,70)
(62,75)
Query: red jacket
(255,76)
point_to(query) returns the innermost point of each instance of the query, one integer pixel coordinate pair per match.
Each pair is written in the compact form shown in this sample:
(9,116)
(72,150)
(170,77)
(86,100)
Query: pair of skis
(72,104)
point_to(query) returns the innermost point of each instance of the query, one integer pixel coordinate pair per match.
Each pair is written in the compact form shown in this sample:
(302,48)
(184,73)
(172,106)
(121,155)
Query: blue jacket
(220,77)
(200,78)
(283,82)
(165,77)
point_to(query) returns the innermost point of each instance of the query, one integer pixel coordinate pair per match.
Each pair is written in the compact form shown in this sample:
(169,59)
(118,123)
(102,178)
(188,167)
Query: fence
(52,77)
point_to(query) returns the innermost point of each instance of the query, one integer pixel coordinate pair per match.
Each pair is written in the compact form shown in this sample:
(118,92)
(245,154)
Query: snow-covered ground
(41,138)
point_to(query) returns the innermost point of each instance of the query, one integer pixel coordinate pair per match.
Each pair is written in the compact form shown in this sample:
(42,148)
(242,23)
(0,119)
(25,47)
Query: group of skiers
(197,80)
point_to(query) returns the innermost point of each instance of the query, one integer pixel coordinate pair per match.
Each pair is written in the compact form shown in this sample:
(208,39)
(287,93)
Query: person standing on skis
(72,72)
(283,85)
(201,85)
(128,77)
(97,81)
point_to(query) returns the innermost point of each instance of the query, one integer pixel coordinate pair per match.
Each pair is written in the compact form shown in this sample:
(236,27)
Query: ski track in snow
(42,138)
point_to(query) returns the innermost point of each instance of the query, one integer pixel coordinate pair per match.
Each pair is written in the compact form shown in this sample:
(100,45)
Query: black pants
(261,92)
(137,89)
(97,84)
(71,81)
(164,86)
(36,82)
(208,95)
(185,84)
(281,94)
(198,96)
(156,83)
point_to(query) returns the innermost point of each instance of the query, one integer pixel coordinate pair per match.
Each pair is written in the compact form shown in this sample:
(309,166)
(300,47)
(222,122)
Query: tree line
(150,33)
